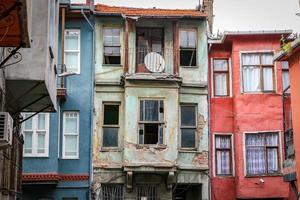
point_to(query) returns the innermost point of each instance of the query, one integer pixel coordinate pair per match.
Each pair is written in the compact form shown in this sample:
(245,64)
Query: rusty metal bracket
(20,122)
(33,102)
(129,180)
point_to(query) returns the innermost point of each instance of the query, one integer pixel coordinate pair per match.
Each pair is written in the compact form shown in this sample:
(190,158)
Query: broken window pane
(187,192)
(151,134)
(188,138)
(110,137)
(112,46)
(188,115)
(188,51)
(188,57)
(151,111)
(111,114)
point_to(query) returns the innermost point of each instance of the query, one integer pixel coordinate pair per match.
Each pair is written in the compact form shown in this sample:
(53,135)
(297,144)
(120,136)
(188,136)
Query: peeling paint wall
(111,165)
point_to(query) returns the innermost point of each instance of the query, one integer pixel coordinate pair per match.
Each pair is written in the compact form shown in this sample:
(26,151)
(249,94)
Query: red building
(291,54)
(246,117)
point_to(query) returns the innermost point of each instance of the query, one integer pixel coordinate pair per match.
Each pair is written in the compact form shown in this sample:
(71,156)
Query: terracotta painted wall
(247,113)
(294,69)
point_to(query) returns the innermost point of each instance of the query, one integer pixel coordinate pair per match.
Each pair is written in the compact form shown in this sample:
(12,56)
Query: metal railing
(160,59)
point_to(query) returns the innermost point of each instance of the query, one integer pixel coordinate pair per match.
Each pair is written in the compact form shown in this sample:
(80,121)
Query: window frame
(73,51)
(72,134)
(103,46)
(35,133)
(283,71)
(228,76)
(110,125)
(279,153)
(195,105)
(261,66)
(140,122)
(222,149)
(195,30)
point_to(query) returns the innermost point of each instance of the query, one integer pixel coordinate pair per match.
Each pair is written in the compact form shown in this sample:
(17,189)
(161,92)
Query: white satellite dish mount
(154,62)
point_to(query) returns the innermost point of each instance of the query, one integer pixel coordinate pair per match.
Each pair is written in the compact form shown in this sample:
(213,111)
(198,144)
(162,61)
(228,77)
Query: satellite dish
(154,62)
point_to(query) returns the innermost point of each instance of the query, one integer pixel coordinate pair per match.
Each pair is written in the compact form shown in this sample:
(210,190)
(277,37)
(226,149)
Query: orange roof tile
(148,12)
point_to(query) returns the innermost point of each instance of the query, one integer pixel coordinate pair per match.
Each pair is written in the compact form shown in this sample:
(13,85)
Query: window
(36,135)
(147,192)
(112,46)
(109,192)
(188,126)
(110,125)
(262,153)
(148,40)
(285,75)
(258,72)
(188,49)
(72,50)
(223,155)
(221,77)
(71,135)
(151,122)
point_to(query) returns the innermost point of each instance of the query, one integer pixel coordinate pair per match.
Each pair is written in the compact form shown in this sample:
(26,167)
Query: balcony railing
(157,60)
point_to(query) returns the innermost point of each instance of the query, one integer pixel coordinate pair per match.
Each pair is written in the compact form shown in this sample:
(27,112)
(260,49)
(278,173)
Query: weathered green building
(151,109)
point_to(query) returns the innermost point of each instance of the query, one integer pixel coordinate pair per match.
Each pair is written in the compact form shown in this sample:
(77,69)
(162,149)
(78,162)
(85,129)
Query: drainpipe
(91,101)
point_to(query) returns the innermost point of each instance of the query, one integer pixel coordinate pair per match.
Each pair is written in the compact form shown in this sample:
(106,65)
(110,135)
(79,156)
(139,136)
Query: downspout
(92,103)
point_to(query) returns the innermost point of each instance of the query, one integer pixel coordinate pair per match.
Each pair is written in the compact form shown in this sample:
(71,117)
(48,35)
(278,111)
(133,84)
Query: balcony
(31,74)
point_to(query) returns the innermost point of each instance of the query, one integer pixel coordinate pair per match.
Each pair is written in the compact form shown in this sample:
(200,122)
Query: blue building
(57,146)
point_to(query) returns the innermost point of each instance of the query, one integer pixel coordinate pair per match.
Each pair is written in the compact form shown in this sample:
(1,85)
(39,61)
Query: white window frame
(279,151)
(214,154)
(35,135)
(103,46)
(73,51)
(70,134)
(212,77)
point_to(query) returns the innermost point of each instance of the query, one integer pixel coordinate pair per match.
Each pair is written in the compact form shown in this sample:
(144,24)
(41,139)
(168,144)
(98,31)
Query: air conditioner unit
(6,129)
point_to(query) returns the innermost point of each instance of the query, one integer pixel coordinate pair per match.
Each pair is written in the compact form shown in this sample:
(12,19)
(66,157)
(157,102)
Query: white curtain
(267,59)
(223,156)
(258,146)
(268,78)
(220,84)
(251,79)
(285,79)
(255,154)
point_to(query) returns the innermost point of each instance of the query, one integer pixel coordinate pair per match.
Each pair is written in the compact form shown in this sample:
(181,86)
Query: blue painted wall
(79,98)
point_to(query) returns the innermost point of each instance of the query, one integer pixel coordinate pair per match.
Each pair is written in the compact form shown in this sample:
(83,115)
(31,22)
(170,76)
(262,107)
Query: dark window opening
(188,126)
(187,192)
(110,126)
(151,122)
(188,50)
(112,46)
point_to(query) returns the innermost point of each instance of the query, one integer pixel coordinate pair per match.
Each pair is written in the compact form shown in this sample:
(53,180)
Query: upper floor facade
(246,115)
